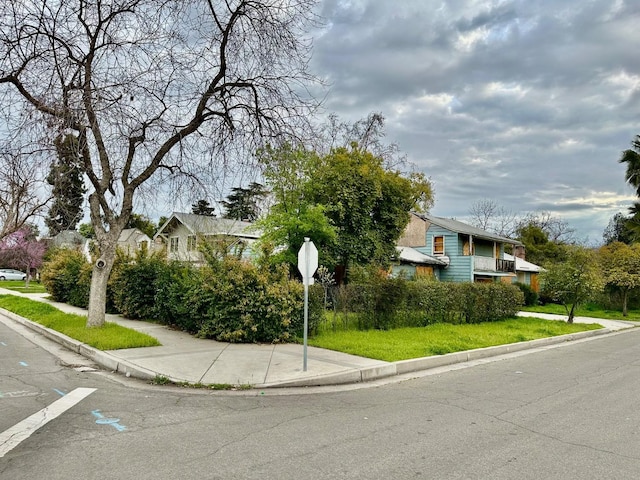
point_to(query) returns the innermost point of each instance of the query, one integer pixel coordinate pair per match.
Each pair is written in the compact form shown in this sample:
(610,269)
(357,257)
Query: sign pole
(307,266)
(306,302)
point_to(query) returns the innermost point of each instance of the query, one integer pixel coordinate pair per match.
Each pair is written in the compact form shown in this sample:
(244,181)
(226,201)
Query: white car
(11,274)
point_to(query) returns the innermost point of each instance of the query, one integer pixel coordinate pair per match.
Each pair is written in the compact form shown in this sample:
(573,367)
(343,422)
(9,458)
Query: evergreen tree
(243,203)
(65,176)
(203,207)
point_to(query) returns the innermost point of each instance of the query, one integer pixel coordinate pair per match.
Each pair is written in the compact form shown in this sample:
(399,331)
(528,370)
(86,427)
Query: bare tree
(488,215)
(155,87)
(21,195)
(557,229)
(368,133)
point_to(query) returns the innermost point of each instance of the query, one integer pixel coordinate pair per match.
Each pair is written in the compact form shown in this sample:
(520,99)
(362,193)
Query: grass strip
(588,310)
(108,337)
(19,286)
(438,339)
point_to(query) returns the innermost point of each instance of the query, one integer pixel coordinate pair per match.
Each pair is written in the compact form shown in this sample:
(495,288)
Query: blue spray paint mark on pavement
(3,344)
(24,364)
(59,392)
(102,420)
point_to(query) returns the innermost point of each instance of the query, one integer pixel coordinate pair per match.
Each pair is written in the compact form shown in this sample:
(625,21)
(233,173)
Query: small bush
(530,296)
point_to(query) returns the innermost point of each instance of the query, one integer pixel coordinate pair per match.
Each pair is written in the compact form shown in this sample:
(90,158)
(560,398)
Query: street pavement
(183,358)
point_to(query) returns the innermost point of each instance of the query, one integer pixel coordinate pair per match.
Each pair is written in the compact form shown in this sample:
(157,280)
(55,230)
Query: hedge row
(228,299)
(396,302)
(235,301)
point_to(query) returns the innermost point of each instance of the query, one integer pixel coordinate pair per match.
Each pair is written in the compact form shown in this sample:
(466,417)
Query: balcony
(488,264)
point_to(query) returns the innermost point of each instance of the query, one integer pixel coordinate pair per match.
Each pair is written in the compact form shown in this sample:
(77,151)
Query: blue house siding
(460,267)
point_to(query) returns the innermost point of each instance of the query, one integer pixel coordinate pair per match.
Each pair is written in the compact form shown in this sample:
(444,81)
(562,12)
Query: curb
(427,363)
(100,357)
(353,376)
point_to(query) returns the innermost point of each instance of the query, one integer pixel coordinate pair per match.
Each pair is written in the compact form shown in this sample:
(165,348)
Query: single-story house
(413,263)
(132,240)
(526,272)
(181,233)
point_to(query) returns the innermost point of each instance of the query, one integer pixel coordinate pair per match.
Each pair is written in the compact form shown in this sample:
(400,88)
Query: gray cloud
(526,103)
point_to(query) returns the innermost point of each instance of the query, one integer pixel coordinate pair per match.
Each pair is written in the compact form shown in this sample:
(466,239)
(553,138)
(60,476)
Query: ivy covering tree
(65,178)
(347,202)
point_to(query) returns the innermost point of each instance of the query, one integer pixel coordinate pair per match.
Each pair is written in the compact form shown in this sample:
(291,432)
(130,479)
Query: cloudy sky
(528,103)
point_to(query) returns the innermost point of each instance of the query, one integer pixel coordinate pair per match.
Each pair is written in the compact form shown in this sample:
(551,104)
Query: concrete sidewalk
(184,358)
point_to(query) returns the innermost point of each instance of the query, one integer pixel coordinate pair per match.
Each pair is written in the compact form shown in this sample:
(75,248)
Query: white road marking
(11,438)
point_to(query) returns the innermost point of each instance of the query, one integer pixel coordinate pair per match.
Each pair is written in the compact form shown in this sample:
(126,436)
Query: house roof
(523,265)
(128,233)
(208,225)
(459,227)
(411,255)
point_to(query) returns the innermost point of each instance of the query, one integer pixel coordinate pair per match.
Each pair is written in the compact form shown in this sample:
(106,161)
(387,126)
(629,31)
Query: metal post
(305,282)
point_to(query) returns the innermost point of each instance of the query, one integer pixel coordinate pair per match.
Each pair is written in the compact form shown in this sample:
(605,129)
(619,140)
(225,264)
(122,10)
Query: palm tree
(632,158)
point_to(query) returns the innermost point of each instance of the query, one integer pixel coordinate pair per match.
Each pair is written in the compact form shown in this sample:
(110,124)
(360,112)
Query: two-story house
(469,254)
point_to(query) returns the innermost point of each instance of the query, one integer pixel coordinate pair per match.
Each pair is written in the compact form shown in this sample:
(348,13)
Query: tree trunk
(571,313)
(98,293)
(625,301)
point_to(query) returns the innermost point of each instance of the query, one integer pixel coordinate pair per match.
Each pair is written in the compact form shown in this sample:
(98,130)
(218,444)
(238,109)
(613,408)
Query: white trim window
(173,244)
(192,243)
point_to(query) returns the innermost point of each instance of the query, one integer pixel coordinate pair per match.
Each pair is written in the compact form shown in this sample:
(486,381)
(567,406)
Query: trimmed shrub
(61,276)
(382,303)
(134,286)
(239,302)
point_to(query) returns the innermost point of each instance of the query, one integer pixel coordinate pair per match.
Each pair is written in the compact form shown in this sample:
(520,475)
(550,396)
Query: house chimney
(519,251)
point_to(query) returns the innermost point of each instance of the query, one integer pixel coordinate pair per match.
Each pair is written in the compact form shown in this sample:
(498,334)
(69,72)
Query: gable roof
(465,229)
(208,225)
(128,233)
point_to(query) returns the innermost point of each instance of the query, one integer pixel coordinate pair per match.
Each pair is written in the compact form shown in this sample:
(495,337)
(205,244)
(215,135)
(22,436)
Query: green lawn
(108,337)
(589,310)
(438,339)
(19,286)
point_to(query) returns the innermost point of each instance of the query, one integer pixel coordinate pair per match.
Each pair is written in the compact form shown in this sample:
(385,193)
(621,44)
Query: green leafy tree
(540,250)
(244,203)
(368,204)
(203,207)
(620,265)
(142,223)
(293,216)
(574,281)
(347,202)
(65,177)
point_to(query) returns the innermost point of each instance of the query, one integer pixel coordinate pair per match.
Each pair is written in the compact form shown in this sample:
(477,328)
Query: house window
(173,244)
(438,245)
(191,243)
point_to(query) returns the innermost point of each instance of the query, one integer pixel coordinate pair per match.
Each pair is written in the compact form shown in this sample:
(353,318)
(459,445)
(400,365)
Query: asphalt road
(563,413)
